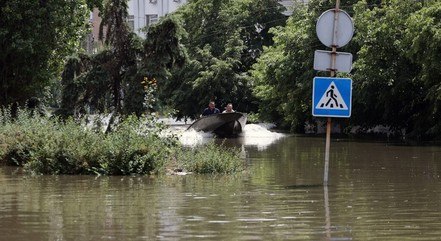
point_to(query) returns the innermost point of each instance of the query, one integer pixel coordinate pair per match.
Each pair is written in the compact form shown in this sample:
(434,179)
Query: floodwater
(377,191)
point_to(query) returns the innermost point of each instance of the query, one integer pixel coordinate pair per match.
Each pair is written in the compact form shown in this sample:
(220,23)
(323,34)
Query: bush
(44,145)
(211,158)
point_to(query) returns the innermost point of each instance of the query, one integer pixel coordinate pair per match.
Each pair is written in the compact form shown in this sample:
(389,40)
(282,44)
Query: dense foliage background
(223,40)
(35,38)
(396,48)
(240,51)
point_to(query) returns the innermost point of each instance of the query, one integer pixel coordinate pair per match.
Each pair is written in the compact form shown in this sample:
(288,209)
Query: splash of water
(193,138)
(257,135)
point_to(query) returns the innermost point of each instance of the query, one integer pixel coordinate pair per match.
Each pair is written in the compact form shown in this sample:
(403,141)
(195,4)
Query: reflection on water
(377,192)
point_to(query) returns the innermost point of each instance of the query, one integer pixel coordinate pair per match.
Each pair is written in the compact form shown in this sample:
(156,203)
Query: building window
(151,19)
(153,1)
(176,1)
(131,22)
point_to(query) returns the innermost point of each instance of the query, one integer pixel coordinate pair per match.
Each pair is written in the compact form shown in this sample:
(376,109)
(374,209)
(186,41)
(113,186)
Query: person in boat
(211,109)
(229,108)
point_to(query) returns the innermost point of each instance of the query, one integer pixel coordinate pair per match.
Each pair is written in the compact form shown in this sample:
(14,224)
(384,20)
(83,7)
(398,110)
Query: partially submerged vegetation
(48,145)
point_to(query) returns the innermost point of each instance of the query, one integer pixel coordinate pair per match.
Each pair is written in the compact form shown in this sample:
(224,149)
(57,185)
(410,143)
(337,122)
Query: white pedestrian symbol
(332,99)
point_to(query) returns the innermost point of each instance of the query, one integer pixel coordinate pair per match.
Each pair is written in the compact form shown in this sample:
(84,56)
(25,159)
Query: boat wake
(193,138)
(257,135)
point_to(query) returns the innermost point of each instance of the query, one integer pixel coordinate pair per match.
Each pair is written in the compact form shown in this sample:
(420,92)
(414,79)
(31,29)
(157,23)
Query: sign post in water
(332,97)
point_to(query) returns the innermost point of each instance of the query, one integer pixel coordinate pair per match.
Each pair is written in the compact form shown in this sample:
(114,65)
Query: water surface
(377,191)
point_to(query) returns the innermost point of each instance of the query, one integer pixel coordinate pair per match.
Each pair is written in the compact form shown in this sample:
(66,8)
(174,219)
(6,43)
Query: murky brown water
(377,192)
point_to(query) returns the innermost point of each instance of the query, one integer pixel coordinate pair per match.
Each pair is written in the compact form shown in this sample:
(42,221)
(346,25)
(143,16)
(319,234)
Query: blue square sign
(331,97)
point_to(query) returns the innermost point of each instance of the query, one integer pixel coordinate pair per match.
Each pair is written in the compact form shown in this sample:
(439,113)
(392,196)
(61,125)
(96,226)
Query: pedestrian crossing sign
(331,97)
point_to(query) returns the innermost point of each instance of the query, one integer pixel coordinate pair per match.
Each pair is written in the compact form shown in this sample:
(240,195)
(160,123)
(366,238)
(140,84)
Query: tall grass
(48,145)
(211,158)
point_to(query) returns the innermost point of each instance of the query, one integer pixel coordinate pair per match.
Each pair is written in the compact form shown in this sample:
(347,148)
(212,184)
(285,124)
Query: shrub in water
(211,158)
(44,145)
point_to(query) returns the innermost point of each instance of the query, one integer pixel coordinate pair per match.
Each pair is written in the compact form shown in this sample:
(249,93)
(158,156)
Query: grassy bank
(47,145)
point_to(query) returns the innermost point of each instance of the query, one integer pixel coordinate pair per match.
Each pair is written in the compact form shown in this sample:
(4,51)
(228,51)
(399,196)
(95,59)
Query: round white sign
(337,35)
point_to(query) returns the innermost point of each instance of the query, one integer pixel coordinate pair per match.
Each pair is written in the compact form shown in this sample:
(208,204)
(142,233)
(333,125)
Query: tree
(162,52)
(283,74)
(422,40)
(85,84)
(389,81)
(123,78)
(101,81)
(387,90)
(117,37)
(224,38)
(35,37)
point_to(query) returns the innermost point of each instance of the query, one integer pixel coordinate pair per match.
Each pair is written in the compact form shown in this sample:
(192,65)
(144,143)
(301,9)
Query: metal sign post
(323,61)
(332,96)
(342,27)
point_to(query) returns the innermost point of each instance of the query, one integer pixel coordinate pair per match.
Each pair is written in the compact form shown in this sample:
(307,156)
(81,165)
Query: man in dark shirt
(211,109)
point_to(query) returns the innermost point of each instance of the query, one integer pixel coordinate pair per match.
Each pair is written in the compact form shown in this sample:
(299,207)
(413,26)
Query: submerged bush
(211,158)
(44,145)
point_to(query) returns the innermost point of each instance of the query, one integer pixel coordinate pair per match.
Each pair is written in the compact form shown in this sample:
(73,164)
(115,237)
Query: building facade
(143,13)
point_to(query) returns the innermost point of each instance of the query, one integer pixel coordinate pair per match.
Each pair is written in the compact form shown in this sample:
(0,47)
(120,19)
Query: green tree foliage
(123,78)
(283,74)
(81,78)
(422,40)
(35,37)
(385,87)
(396,81)
(117,36)
(163,52)
(224,38)
(396,69)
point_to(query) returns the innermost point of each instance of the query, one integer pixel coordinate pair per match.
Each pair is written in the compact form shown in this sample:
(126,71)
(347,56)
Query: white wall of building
(145,12)
(288,4)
